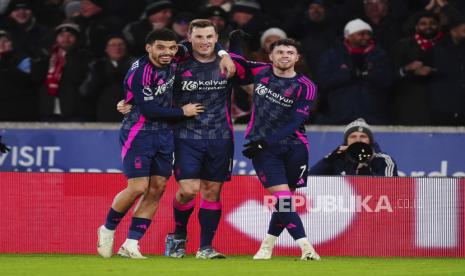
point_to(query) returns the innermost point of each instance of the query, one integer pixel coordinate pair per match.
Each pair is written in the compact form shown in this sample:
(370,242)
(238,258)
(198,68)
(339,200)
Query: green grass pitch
(37,265)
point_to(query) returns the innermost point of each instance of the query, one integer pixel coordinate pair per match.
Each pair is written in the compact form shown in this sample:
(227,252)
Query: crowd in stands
(392,62)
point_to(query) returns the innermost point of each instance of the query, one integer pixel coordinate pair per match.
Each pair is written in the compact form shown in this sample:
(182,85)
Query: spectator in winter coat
(355,75)
(447,89)
(58,71)
(339,163)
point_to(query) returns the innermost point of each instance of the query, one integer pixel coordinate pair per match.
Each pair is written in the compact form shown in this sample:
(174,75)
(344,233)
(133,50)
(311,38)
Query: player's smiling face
(203,40)
(162,52)
(284,57)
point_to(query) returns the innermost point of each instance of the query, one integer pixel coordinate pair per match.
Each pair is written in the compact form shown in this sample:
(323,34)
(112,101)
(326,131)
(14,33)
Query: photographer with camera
(358,155)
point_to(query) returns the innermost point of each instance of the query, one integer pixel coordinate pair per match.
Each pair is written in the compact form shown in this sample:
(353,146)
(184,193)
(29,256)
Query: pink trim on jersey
(257,70)
(156,76)
(210,205)
(300,91)
(280,194)
(252,118)
(129,96)
(265,80)
(240,70)
(183,207)
(132,134)
(302,138)
(187,73)
(228,118)
(311,90)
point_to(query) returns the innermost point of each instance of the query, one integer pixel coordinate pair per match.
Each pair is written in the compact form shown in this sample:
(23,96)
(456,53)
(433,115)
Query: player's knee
(157,191)
(212,195)
(138,190)
(189,193)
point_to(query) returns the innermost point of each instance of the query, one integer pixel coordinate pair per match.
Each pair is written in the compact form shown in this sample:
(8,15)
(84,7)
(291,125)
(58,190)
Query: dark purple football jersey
(203,83)
(149,88)
(277,104)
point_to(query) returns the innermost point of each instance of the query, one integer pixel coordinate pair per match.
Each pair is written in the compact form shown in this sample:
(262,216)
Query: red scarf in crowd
(359,51)
(428,44)
(55,70)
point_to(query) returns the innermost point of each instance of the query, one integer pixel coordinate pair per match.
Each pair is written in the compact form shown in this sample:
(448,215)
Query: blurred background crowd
(402,62)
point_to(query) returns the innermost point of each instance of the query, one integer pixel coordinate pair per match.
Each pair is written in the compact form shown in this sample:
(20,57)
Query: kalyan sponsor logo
(204,85)
(262,90)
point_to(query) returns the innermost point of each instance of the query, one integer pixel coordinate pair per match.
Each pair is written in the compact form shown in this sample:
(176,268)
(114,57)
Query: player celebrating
(278,145)
(147,142)
(203,145)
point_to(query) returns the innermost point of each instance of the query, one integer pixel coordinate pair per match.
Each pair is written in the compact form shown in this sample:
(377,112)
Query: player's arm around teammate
(147,142)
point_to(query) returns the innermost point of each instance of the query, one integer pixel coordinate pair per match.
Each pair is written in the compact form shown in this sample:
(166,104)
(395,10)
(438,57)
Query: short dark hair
(425,14)
(201,23)
(286,42)
(161,34)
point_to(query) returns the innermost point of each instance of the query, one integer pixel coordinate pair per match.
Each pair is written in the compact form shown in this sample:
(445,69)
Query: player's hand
(227,66)
(239,35)
(3,147)
(253,148)
(191,109)
(123,107)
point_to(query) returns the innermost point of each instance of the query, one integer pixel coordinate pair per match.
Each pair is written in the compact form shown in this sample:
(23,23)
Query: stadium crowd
(388,61)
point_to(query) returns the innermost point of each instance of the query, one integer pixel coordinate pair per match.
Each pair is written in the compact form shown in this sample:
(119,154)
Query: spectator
(269,36)
(50,13)
(103,83)
(356,77)
(316,31)
(219,18)
(223,4)
(18,93)
(72,9)
(59,70)
(262,55)
(247,15)
(447,89)
(157,15)
(386,30)
(412,64)
(20,22)
(181,24)
(338,162)
(96,25)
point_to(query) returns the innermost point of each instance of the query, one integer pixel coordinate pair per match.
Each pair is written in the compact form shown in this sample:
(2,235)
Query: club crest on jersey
(148,93)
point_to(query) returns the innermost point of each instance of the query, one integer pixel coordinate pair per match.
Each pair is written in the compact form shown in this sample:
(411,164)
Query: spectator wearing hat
(266,39)
(23,27)
(223,4)
(219,18)
(447,88)
(247,16)
(17,93)
(355,75)
(96,25)
(157,15)
(102,86)
(413,69)
(58,71)
(339,162)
